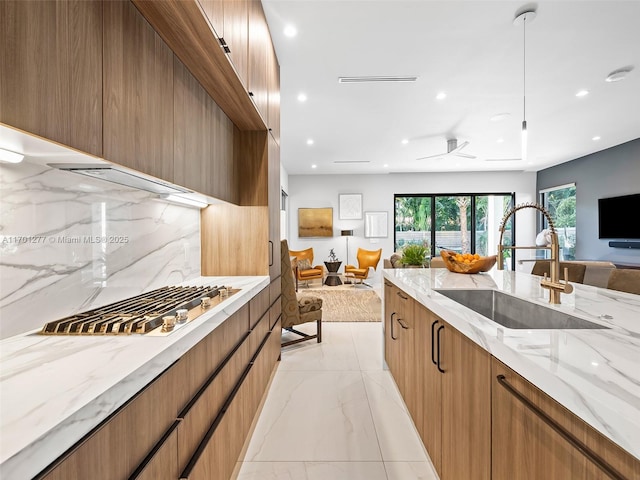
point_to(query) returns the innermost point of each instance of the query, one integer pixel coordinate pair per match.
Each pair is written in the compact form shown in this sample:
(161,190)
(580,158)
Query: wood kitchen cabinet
(236,36)
(427,415)
(195,417)
(214,11)
(391,344)
(273,98)
(444,379)
(274,195)
(466,406)
(203,139)
(526,446)
(138,99)
(259,43)
(51,70)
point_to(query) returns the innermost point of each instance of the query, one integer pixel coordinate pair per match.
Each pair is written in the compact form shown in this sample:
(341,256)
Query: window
(461,222)
(560,202)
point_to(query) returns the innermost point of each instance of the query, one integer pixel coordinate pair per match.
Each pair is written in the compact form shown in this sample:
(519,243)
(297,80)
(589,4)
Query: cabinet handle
(271,253)
(403,324)
(402,296)
(251,94)
(433,339)
(392,337)
(586,451)
(440,328)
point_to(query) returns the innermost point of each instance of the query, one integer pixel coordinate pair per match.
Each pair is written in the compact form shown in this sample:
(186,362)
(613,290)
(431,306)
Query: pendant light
(523,18)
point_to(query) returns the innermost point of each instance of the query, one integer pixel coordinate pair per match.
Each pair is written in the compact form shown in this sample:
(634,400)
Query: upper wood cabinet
(51,70)
(236,36)
(259,43)
(273,81)
(203,139)
(138,93)
(214,11)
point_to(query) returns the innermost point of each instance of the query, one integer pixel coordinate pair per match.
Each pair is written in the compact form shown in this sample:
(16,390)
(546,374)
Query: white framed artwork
(376,225)
(350,206)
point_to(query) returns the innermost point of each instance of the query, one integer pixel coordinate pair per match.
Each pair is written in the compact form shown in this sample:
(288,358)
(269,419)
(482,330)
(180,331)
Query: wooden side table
(333,277)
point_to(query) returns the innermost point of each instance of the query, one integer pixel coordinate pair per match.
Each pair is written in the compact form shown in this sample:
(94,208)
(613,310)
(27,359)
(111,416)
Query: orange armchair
(307,274)
(366,259)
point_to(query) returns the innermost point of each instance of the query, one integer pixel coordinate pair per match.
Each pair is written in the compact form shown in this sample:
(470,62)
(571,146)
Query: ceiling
(473,52)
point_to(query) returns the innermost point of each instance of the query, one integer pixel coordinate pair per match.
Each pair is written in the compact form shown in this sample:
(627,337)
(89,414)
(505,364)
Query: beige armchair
(297,309)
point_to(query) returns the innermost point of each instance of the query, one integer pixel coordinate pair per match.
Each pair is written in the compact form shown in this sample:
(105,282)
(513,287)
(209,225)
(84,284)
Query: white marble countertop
(55,389)
(594,373)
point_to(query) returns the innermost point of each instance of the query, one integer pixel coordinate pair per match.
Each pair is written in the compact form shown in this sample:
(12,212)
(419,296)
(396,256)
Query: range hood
(122,176)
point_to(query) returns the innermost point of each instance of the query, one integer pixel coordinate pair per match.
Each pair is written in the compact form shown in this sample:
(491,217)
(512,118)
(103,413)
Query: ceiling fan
(453,149)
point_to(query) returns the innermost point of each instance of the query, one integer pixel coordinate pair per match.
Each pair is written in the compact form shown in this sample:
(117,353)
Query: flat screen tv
(618,217)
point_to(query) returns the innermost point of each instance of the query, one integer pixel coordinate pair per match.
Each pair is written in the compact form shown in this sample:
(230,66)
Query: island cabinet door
(535,437)
(466,406)
(428,414)
(389,314)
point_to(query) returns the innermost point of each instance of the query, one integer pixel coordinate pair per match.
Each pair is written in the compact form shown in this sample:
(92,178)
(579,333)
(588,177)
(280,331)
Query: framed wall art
(350,206)
(315,222)
(375,225)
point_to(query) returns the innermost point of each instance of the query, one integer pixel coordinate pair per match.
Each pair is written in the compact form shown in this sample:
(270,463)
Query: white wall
(321,191)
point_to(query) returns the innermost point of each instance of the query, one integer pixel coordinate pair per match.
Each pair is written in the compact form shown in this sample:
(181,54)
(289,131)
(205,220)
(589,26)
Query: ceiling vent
(351,161)
(376,79)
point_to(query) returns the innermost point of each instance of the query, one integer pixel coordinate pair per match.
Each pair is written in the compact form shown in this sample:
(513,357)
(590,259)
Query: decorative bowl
(483,264)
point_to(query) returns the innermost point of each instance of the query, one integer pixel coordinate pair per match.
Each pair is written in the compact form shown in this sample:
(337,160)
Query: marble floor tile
(410,471)
(336,351)
(367,338)
(397,435)
(333,413)
(312,471)
(315,416)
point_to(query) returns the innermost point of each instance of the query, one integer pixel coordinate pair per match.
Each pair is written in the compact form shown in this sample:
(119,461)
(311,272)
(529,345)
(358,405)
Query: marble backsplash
(69,242)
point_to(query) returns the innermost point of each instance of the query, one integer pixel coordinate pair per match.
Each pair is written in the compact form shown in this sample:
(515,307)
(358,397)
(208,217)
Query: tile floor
(334,413)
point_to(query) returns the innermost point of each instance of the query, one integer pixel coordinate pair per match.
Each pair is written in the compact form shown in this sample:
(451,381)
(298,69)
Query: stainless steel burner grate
(140,314)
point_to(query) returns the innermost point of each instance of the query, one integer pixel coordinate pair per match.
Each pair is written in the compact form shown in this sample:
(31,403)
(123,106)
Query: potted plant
(414,255)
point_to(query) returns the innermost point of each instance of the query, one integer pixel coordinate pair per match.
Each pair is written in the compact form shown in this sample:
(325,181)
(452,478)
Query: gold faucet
(553,284)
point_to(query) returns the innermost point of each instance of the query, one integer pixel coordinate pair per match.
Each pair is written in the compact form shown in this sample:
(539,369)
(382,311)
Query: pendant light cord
(524,68)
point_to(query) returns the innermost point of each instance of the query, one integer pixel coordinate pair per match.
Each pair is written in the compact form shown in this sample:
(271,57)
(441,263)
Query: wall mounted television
(618,217)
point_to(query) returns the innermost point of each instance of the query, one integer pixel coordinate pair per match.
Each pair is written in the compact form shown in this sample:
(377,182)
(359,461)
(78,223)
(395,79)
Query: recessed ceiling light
(596,138)
(386,165)
(582,93)
(499,116)
(290,31)
(314,166)
(405,141)
(619,74)
(500,140)
(441,96)
(302,97)
(310,141)
(10,157)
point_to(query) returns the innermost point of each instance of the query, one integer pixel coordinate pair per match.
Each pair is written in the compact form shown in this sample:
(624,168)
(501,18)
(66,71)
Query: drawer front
(274,314)
(275,287)
(258,305)
(207,404)
(126,438)
(163,461)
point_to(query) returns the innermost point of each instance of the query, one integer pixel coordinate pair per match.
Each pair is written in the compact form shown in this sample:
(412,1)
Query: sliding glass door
(459,222)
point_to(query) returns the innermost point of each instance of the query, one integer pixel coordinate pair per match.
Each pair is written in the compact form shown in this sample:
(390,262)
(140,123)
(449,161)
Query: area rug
(347,303)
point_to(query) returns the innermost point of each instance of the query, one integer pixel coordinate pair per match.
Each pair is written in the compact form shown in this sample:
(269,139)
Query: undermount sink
(513,312)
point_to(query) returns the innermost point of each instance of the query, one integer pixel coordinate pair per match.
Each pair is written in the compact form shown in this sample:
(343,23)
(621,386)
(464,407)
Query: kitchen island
(593,373)
(55,389)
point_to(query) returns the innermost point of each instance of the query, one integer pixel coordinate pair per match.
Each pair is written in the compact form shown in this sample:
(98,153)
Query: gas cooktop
(158,312)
